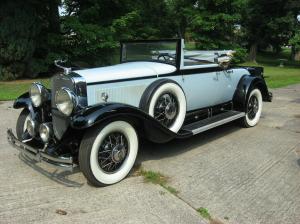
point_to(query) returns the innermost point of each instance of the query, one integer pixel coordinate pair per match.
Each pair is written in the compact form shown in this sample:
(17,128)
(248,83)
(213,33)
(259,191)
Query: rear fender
(245,85)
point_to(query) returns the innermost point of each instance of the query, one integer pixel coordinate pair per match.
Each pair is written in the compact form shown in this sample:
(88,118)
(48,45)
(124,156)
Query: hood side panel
(125,71)
(122,92)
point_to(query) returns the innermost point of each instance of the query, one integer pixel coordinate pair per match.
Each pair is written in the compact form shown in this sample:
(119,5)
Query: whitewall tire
(254,108)
(108,153)
(21,126)
(168,106)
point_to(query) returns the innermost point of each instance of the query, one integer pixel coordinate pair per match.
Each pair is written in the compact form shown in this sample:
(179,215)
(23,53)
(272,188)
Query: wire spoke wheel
(166,109)
(252,107)
(165,101)
(108,152)
(113,152)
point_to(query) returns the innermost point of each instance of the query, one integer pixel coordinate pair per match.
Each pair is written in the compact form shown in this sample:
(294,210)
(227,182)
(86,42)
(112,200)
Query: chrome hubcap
(113,152)
(118,153)
(166,109)
(170,111)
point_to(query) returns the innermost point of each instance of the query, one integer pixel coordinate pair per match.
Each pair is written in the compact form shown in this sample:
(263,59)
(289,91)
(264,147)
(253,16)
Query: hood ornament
(66,69)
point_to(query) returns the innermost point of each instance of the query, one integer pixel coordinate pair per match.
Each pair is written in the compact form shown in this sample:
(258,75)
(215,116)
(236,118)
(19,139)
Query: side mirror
(224,60)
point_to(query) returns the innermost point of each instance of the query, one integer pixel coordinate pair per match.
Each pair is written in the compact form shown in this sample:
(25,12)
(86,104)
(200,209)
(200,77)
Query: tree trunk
(297,55)
(54,25)
(181,29)
(253,52)
(277,49)
(293,53)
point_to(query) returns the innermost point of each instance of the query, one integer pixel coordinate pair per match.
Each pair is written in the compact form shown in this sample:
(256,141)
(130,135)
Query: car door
(204,88)
(226,89)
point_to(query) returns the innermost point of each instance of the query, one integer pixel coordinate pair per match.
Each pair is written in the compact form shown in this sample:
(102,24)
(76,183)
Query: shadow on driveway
(154,151)
(148,151)
(60,177)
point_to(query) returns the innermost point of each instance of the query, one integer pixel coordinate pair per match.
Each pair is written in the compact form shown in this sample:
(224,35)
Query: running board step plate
(212,122)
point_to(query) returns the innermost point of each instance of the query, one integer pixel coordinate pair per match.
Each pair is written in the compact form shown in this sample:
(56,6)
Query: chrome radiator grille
(76,84)
(60,122)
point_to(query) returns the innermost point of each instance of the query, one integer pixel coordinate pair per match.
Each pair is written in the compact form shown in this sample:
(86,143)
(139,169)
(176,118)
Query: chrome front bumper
(37,155)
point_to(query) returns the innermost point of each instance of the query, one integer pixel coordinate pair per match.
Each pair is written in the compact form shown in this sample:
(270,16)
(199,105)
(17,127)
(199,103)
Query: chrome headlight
(31,127)
(38,94)
(46,131)
(65,101)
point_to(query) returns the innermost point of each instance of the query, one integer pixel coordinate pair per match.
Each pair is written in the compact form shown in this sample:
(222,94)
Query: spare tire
(165,101)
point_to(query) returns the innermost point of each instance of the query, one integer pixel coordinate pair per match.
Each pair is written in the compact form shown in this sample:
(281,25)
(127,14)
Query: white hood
(125,71)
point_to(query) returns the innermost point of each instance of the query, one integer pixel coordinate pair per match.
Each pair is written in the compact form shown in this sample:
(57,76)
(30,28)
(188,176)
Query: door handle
(216,78)
(228,73)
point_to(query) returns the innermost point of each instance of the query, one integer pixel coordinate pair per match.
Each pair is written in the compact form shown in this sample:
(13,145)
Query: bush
(240,56)
(12,71)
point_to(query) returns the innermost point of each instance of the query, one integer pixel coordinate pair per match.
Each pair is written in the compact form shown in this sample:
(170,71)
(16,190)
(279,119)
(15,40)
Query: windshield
(159,51)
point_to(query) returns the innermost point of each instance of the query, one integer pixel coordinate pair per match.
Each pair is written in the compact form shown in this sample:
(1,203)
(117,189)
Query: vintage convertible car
(94,118)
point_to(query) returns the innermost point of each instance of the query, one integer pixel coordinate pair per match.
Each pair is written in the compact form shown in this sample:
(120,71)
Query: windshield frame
(178,50)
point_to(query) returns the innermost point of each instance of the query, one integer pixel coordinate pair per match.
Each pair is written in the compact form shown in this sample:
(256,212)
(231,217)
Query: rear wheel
(108,153)
(254,109)
(21,126)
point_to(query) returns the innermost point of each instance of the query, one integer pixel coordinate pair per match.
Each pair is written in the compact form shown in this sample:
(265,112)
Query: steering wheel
(165,57)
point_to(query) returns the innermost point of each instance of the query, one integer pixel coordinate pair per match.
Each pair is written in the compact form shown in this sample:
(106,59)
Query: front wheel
(108,153)
(21,125)
(254,109)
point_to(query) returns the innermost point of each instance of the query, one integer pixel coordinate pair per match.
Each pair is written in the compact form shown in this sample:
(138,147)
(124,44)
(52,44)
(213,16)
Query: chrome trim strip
(65,163)
(80,87)
(60,159)
(218,123)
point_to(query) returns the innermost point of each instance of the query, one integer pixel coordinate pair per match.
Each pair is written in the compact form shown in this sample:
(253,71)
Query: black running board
(214,121)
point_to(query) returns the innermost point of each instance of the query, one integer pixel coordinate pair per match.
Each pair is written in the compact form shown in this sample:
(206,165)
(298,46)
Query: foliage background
(33,33)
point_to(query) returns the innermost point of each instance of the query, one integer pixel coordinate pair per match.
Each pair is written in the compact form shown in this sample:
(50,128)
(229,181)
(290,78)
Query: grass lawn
(275,75)
(12,89)
(278,77)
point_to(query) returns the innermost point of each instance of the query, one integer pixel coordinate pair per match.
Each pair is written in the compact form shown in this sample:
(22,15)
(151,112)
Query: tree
(18,31)
(93,32)
(294,7)
(295,42)
(24,33)
(210,23)
(179,13)
(267,22)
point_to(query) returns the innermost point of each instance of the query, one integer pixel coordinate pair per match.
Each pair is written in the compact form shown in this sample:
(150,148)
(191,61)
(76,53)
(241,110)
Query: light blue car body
(201,90)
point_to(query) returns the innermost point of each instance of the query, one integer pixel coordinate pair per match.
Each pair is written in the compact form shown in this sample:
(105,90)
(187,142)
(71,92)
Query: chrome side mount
(60,61)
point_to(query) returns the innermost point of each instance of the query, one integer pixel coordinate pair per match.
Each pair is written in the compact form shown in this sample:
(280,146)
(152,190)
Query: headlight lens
(35,92)
(46,131)
(31,127)
(65,101)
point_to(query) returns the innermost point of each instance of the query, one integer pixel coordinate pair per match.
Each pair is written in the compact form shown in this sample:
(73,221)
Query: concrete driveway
(239,175)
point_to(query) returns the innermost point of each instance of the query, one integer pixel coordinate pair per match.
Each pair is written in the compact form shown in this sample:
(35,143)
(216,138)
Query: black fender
(146,125)
(24,101)
(245,85)
(150,90)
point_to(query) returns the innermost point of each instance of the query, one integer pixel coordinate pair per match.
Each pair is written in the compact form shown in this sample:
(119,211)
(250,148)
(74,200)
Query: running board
(212,122)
